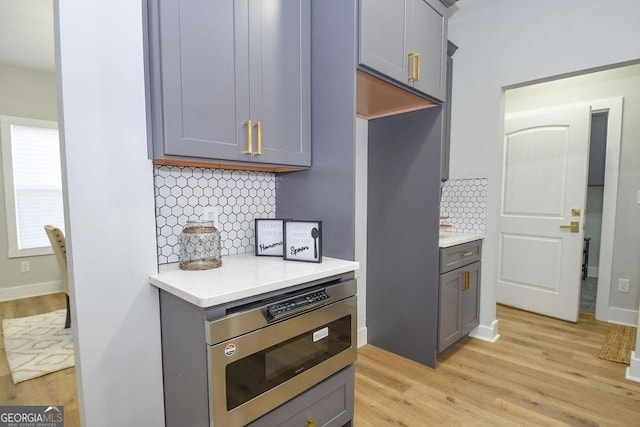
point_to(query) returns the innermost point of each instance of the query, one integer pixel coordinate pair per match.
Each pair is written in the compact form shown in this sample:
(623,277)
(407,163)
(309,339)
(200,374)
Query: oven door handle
(271,317)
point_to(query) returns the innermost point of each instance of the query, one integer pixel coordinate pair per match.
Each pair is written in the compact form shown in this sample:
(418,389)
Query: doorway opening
(593,214)
(599,208)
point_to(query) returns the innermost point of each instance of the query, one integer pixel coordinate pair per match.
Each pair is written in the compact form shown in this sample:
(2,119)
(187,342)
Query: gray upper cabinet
(230,80)
(406,41)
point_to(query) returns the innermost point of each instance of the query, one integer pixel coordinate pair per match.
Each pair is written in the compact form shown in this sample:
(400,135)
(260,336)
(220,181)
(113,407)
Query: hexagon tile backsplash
(182,193)
(464,203)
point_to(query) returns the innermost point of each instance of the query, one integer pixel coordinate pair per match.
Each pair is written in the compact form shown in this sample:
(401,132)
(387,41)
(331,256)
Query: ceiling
(26,34)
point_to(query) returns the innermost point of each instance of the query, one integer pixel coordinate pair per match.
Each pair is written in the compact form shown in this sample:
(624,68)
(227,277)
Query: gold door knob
(311,423)
(574,226)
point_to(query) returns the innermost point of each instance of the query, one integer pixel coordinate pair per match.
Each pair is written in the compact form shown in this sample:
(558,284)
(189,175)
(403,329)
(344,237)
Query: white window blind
(33,183)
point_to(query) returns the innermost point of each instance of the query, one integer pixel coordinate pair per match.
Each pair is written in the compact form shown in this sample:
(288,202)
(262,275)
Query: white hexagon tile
(182,193)
(464,204)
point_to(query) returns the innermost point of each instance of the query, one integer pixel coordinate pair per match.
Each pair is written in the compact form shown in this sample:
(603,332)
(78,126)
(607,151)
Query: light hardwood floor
(58,388)
(541,372)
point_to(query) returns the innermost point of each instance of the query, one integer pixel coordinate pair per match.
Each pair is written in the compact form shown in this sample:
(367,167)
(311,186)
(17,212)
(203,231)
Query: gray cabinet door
(391,31)
(280,80)
(202,97)
(383,37)
(448,310)
(459,304)
(470,299)
(429,38)
(216,65)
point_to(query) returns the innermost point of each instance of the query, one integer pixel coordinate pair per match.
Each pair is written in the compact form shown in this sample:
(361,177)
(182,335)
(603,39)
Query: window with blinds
(33,183)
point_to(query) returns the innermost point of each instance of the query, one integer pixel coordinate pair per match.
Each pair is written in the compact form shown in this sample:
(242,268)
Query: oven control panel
(296,304)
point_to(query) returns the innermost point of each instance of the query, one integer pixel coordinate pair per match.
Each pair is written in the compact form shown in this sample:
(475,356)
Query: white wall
(31,94)
(109,213)
(509,42)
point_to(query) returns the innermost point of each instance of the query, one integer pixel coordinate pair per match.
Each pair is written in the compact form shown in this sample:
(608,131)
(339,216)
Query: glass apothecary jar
(200,246)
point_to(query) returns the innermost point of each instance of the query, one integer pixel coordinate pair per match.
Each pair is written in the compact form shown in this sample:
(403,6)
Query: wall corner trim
(633,371)
(486,333)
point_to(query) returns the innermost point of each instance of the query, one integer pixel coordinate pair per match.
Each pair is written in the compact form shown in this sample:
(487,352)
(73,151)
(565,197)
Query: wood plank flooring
(542,372)
(58,388)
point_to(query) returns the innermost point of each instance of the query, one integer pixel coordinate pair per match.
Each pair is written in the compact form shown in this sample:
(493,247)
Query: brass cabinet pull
(412,66)
(259,129)
(466,254)
(574,226)
(467,281)
(418,68)
(249,149)
(311,423)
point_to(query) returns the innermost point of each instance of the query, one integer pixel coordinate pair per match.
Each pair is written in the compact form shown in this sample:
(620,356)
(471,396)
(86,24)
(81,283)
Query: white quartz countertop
(448,239)
(242,276)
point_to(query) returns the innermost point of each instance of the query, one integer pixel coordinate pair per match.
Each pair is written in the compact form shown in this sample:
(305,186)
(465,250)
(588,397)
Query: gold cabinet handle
(259,129)
(418,68)
(466,254)
(574,226)
(412,66)
(311,423)
(467,281)
(249,149)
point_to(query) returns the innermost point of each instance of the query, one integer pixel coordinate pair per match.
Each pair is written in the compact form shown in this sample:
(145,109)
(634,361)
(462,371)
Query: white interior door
(545,161)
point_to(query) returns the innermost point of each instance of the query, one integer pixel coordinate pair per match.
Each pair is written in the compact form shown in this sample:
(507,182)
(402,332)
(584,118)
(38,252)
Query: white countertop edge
(448,239)
(240,279)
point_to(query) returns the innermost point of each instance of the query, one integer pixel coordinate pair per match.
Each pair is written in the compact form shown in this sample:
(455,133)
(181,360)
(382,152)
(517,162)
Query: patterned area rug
(37,345)
(620,341)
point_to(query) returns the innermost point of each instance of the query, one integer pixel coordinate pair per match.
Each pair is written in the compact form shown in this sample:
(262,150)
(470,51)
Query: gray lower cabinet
(229,80)
(459,299)
(406,40)
(329,404)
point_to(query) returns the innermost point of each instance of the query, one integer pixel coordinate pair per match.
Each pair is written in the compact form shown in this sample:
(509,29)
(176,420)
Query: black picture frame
(303,241)
(269,237)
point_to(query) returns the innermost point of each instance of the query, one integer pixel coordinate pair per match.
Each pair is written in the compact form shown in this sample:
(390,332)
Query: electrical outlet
(25,267)
(211,214)
(623,285)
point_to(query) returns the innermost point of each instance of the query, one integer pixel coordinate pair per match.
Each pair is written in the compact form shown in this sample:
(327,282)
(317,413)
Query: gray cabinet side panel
(402,246)
(184,363)
(326,191)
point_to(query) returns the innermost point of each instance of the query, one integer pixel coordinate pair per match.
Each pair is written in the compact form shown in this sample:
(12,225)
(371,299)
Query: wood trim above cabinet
(377,98)
(226,165)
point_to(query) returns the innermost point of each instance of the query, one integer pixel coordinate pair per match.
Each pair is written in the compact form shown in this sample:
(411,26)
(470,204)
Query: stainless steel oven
(264,354)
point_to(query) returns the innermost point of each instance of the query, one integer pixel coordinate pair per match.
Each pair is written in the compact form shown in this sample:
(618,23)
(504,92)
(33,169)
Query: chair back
(59,246)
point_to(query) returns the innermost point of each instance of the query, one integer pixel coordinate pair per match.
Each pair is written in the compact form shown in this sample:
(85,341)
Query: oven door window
(259,372)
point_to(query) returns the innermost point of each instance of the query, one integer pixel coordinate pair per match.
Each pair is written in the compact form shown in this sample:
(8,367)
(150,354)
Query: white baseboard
(633,371)
(32,290)
(362,336)
(592,271)
(486,333)
(620,316)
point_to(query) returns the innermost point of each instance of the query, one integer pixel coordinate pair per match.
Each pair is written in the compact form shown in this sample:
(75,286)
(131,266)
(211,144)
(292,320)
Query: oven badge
(230,349)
